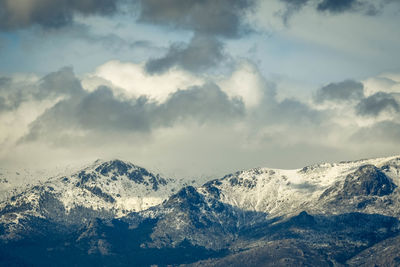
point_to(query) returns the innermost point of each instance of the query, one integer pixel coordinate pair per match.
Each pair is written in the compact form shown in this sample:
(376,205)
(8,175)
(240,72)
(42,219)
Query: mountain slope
(115,213)
(101,190)
(317,188)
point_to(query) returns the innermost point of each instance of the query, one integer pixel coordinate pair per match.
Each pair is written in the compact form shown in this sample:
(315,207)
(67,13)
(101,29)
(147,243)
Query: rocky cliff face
(368,180)
(115,213)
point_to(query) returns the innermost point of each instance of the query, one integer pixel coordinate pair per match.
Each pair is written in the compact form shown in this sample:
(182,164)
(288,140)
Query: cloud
(91,33)
(3,104)
(80,113)
(200,128)
(335,7)
(376,104)
(338,92)
(294,111)
(292,6)
(62,82)
(201,53)
(383,84)
(216,18)
(16,14)
(209,21)
(101,111)
(245,82)
(4,81)
(381,133)
(201,103)
(134,81)
(370,8)
(212,125)
(15,92)
(295,3)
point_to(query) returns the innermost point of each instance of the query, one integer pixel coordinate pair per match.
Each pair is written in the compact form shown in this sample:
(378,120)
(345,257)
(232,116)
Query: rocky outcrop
(368,180)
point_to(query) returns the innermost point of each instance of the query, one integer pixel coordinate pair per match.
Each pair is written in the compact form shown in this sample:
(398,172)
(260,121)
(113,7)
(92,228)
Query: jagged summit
(116,169)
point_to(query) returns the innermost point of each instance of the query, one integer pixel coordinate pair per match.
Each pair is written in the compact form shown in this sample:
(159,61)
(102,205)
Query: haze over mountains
(115,213)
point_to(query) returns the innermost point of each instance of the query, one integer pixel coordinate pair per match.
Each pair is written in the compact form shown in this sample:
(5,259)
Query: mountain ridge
(330,211)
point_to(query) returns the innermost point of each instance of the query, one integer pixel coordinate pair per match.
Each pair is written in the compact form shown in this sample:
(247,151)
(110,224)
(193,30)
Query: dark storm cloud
(343,91)
(367,7)
(209,20)
(201,103)
(370,8)
(337,6)
(295,3)
(217,18)
(202,52)
(16,14)
(350,90)
(62,82)
(13,94)
(377,103)
(101,111)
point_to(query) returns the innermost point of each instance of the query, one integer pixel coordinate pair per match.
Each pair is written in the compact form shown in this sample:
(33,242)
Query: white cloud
(271,131)
(386,82)
(245,82)
(135,81)
(132,80)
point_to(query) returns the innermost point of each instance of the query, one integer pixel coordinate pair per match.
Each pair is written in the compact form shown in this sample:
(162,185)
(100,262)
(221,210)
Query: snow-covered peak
(104,188)
(115,188)
(109,172)
(278,192)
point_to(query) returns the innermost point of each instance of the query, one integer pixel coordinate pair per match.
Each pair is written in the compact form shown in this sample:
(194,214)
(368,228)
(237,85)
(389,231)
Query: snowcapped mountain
(248,199)
(119,213)
(288,192)
(104,189)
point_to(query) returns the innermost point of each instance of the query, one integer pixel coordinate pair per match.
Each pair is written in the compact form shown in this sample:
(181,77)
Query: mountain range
(114,213)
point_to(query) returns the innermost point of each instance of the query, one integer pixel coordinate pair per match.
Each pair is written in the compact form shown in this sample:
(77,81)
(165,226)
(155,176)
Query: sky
(198,87)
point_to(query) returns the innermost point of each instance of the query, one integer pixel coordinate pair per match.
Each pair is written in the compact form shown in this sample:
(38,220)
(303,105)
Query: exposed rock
(368,180)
